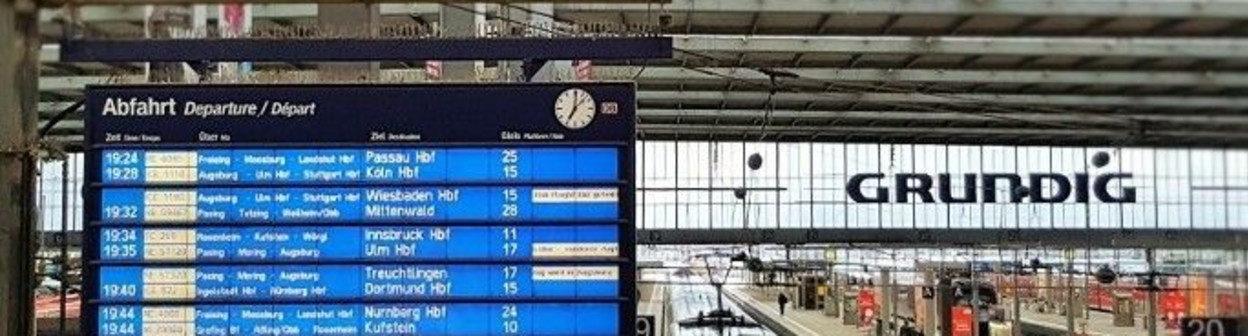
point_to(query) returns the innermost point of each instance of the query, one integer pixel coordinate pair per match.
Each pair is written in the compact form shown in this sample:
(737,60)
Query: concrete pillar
(832,305)
(1124,310)
(1070,295)
(932,315)
(1016,319)
(19,70)
(1211,295)
(1243,279)
(887,296)
(849,316)
(1046,286)
(349,20)
(458,21)
(944,302)
(1150,317)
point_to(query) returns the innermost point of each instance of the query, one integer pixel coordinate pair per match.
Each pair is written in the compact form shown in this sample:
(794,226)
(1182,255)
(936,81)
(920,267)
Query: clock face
(575,109)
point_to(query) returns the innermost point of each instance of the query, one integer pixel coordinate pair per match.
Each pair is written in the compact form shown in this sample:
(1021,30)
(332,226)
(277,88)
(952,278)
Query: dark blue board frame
(443,115)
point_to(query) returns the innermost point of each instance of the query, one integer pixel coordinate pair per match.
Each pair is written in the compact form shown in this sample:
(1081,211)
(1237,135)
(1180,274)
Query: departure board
(457,209)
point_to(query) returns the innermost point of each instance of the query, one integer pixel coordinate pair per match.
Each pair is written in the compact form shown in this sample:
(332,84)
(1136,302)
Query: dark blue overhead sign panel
(360,210)
(379,49)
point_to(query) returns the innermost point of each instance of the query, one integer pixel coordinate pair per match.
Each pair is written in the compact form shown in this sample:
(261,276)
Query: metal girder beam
(1018,46)
(72,83)
(48,109)
(331,49)
(872,130)
(822,25)
(1164,25)
(959,98)
(1026,24)
(957,25)
(912,237)
(56,3)
(1132,78)
(1084,118)
(1082,8)
(280,11)
(276,9)
(953,135)
(960,45)
(69,126)
(1097,24)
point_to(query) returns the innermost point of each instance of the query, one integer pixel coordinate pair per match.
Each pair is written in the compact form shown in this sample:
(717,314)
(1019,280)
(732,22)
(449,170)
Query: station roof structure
(1010,72)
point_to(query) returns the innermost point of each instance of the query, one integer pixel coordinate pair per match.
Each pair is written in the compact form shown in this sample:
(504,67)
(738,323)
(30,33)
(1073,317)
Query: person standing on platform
(783,300)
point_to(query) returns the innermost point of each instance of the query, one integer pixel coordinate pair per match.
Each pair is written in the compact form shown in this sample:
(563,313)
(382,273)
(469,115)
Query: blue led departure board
(461,209)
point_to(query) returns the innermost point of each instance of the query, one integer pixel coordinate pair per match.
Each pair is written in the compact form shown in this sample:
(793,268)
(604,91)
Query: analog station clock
(575,108)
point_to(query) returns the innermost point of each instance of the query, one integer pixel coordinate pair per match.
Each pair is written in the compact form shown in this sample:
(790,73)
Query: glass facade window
(690,184)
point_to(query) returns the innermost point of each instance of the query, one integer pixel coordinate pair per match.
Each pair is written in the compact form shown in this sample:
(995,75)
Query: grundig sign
(982,188)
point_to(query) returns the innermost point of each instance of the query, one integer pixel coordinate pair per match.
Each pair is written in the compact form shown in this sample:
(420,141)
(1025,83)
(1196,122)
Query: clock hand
(572,116)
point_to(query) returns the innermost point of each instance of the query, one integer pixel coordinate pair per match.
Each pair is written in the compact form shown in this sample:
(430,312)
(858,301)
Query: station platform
(761,304)
(1097,324)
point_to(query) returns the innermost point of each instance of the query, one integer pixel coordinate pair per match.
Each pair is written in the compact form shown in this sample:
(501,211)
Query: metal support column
(458,22)
(1016,326)
(543,23)
(1211,294)
(1150,319)
(1243,279)
(888,296)
(357,20)
(19,69)
(932,315)
(1070,291)
(63,258)
(833,303)
(944,305)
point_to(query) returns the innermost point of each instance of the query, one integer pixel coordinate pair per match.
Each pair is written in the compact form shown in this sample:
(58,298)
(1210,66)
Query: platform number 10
(509,316)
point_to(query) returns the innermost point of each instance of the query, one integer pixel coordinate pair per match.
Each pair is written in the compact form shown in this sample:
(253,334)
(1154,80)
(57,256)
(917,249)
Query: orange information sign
(1173,308)
(963,321)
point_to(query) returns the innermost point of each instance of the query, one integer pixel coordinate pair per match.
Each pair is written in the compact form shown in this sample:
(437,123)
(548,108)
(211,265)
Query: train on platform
(1182,289)
(1200,290)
